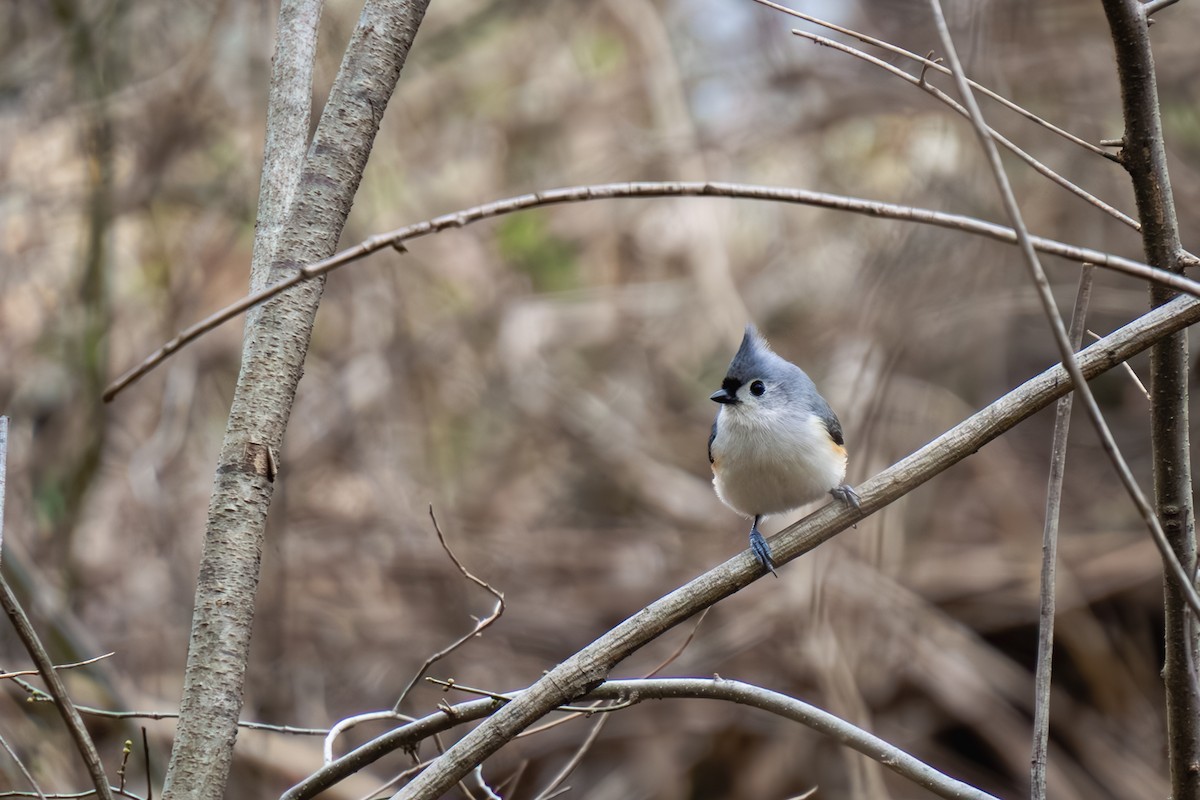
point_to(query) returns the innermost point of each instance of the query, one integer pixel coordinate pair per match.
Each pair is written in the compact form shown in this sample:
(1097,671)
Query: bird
(776,444)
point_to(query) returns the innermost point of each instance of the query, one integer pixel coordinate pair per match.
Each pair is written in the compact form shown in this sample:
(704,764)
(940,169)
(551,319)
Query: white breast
(768,464)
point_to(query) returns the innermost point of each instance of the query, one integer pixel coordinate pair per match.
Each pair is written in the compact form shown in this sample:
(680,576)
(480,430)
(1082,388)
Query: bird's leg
(760,547)
(847,495)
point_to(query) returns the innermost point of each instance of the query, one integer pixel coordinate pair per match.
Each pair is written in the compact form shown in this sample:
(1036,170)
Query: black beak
(723,397)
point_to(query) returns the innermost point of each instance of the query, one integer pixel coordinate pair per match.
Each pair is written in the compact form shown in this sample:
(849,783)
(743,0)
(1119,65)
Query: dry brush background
(542,380)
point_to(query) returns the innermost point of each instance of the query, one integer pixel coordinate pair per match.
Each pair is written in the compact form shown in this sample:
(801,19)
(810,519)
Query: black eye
(757,388)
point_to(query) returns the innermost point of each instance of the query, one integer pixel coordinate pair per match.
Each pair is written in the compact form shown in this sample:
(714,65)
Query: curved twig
(637,691)
(608,191)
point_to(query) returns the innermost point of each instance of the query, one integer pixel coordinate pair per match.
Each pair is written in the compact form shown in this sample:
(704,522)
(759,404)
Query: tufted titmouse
(775,444)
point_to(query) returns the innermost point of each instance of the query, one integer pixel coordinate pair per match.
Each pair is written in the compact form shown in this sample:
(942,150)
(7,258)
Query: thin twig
(1158,5)
(552,724)
(58,691)
(569,767)
(39,696)
(508,698)
(1129,369)
(126,751)
(510,783)
(932,90)
(489,792)
(584,712)
(146,751)
(679,650)
(24,672)
(936,64)
(480,626)
(3,475)
(1058,462)
(573,711)
(37,790)
(408,773)
(610,191)
(117,792)
(343,725)
(1045,294)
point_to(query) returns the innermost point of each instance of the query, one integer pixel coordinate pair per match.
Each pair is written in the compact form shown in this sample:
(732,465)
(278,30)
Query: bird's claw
(762,551)
(847,495)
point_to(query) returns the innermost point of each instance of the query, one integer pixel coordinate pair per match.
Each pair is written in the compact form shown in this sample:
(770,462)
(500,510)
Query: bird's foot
(847,495)
(762,550)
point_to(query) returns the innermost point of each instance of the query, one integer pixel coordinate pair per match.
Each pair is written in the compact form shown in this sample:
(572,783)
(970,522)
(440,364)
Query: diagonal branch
(928,64)
(1008,144)
(1171,564)
(574,676)
(56,687)
(1157,5)
(608,191)
(41,659)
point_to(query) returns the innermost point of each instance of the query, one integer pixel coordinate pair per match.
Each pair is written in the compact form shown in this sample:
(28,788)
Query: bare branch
(1157,5)
(609,191)
(117,792)
(576,711)
(253,726)
(573,762)
(595,707)
(572,677)
(1144,156)
(58,691)
(639,690)
(346,724)
(37,790)
(928,63)
(1171,563)
(274,349)
(480,626)
(488,791)
(1058,464)
(1128,370)
(146,752)
(1033,163)
(679,651)
(3,475)
(25,672)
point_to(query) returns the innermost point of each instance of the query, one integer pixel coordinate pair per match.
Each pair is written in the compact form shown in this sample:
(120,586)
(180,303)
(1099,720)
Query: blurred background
(542,381)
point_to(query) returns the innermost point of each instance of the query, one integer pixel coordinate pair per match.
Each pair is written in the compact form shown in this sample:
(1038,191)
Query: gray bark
(275,344)
(1143,154)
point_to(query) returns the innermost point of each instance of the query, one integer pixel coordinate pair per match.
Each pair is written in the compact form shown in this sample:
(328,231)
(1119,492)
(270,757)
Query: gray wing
(711,437)
(835,428)
(826,415)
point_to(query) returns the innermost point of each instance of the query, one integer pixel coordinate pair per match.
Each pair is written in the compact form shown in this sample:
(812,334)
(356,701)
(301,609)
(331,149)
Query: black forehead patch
(731,385)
